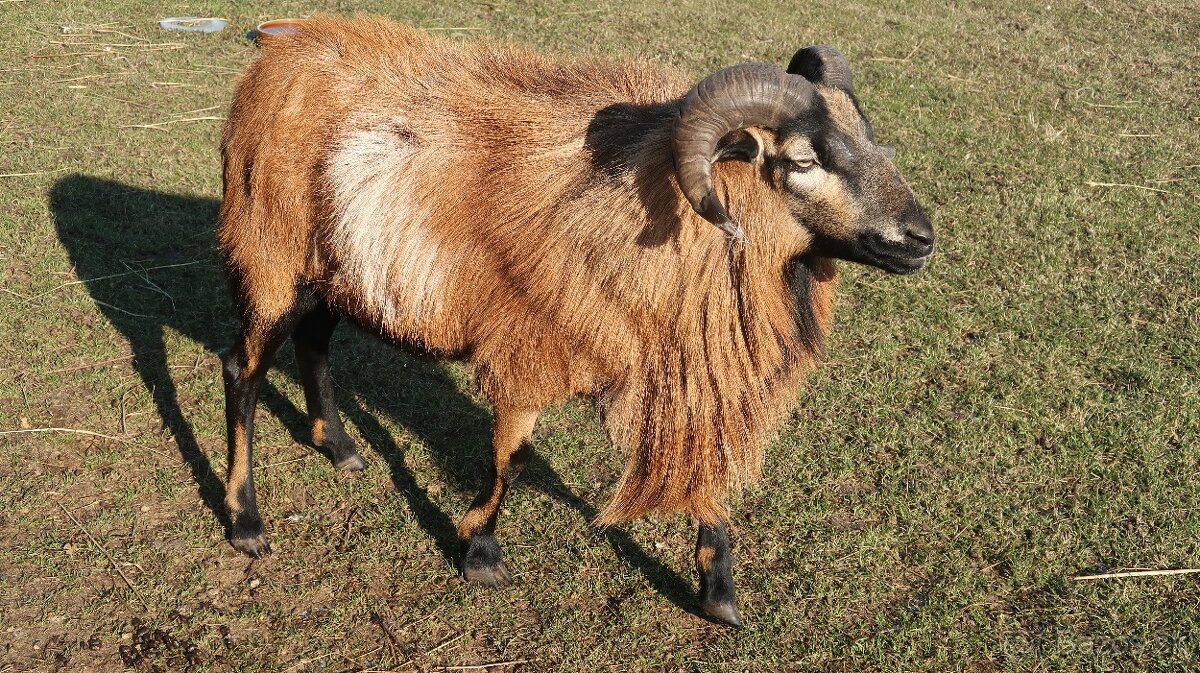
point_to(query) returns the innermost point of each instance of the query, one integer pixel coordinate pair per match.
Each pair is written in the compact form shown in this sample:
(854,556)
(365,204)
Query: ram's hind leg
(311,339)
(482,560)
(714,564)
(244,367)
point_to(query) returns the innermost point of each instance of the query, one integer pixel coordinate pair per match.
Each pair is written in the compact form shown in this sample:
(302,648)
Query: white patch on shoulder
(387,253)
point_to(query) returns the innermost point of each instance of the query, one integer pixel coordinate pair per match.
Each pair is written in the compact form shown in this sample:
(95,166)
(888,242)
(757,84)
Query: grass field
(1025,411)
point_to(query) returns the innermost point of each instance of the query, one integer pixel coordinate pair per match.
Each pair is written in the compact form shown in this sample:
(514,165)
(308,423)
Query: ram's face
(804,127)
(845,190)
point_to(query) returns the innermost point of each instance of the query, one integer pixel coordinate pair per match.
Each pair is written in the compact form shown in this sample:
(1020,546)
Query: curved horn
(822,64)
(753,94)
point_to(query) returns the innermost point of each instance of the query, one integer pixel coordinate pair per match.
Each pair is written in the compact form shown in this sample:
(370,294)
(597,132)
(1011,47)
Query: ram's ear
(742,145)
(822,64)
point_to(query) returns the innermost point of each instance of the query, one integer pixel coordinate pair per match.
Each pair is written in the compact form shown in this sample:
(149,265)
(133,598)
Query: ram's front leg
(482,560)
(714,564)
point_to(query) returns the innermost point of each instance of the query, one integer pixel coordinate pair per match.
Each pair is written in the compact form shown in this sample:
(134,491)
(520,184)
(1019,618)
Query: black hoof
(723,613)
(248,536)
(350,463)
(257,546)
(495,576)
(482,563)
(342,452)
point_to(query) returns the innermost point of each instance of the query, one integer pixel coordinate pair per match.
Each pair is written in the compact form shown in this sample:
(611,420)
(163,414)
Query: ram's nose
(918,230)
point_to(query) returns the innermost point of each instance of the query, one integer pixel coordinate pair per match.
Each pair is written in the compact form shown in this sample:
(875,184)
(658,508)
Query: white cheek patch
(387,253)
(836,213)
(800,150)
(807,181)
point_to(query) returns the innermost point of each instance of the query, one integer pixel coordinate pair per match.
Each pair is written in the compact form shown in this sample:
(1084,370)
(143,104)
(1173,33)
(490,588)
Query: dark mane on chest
(801,277)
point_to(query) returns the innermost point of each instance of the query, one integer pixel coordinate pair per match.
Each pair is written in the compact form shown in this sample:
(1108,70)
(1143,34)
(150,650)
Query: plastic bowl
(276,28)
(193,24)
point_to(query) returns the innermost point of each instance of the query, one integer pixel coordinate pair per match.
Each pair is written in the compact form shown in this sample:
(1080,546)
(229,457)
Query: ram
(552,223)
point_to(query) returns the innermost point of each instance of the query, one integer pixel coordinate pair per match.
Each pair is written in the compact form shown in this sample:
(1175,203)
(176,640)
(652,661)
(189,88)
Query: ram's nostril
(921,232)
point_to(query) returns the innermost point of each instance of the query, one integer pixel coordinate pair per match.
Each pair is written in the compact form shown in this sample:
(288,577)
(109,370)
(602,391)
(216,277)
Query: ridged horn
(737,97)
(822,64)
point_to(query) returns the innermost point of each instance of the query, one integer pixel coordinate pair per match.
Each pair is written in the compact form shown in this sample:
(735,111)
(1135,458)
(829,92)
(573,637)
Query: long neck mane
(696,411)
(736,328)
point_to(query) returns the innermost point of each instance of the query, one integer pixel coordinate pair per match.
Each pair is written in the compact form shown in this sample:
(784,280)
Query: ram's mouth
(902,258)
(874,250)
(901,264)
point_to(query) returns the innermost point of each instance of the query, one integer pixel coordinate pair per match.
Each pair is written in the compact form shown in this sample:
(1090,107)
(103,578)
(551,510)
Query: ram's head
(805,129)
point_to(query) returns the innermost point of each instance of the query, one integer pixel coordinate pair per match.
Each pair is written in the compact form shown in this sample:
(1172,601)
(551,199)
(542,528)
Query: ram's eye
(801,165)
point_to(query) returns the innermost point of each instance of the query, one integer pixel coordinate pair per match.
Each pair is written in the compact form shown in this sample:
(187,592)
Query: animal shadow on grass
(149,261)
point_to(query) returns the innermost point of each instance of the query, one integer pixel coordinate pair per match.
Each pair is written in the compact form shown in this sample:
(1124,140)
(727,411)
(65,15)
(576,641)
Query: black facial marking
(840,155)
(837,153)
(812,124)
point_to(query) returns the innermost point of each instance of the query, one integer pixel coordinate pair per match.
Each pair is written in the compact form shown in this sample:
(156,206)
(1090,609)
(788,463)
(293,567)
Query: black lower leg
(483,562)
(312,357)
(241,396)
(714,564)
(244,369)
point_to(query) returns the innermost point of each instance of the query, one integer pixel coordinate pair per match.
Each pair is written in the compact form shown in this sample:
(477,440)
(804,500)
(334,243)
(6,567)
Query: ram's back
(444,192)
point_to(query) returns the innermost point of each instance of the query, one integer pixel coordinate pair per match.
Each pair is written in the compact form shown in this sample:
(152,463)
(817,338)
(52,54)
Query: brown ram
(551,222)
